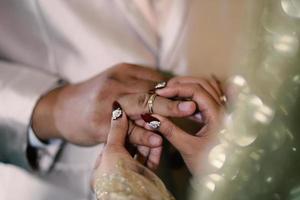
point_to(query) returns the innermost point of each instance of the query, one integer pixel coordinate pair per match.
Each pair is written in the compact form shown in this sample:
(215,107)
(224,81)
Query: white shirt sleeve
(37,143)
(46,152)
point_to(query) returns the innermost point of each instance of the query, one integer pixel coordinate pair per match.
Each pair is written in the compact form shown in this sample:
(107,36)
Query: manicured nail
(186,106)
(117,110)
(151,121)
(160,85)
(155,140)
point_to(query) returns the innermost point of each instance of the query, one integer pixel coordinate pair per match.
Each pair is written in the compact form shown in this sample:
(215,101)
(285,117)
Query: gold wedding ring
(151,102)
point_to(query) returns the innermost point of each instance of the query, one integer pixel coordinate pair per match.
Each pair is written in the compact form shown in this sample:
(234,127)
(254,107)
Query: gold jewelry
(151,102)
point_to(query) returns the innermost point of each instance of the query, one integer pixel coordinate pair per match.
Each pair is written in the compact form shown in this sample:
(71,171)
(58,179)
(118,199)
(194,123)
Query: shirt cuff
(46,153)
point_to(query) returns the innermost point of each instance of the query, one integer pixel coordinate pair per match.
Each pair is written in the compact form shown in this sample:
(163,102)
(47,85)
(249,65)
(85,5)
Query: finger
(209,85)
(140,122)
(197,117)
(214,82)
(136,104)
(206,104)
(176,136)
(119,126)
(173,108)
(154,157)
(142,154)
(136,85)
(210,110)
(211,113)
(146,73)
(141,136)
(217,84)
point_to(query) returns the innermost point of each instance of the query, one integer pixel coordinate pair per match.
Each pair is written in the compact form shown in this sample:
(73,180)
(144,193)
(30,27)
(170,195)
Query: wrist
(43,122)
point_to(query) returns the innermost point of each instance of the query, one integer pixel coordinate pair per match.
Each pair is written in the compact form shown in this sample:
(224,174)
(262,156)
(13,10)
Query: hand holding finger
(137,104)
(141,136)
(207,106)
(177,137)
(194,149)
(212,85)
(149,156)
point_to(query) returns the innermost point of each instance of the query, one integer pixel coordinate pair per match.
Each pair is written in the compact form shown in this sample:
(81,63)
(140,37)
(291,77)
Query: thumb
(119,126)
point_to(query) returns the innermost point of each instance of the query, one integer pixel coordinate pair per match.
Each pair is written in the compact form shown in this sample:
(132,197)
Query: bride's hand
(117,174)
(115,150)
(193,148)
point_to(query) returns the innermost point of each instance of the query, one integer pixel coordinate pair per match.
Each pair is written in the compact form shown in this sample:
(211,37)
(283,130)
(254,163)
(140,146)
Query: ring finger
(137,104)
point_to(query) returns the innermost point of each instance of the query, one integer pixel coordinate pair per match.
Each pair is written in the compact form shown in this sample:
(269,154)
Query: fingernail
(155,140)
(151,121)
(160,85)
(186,106)
(117,110)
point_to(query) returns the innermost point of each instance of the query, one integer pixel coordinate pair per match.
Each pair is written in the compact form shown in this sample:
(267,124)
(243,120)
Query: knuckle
(122,65)
(142,100)
(111,79)
(173,107)
(172,82)
(196,87)
(175,80)
(137,137)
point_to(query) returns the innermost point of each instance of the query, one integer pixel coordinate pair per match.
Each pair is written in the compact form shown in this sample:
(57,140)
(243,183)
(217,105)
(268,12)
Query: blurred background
(259,156)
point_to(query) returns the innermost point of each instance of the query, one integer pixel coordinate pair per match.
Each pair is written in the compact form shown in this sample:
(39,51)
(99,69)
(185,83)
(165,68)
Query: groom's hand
(80,113)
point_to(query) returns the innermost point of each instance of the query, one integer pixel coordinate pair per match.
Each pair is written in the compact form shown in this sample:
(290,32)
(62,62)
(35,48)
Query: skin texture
(193,148)
(80,113)
(115,150)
